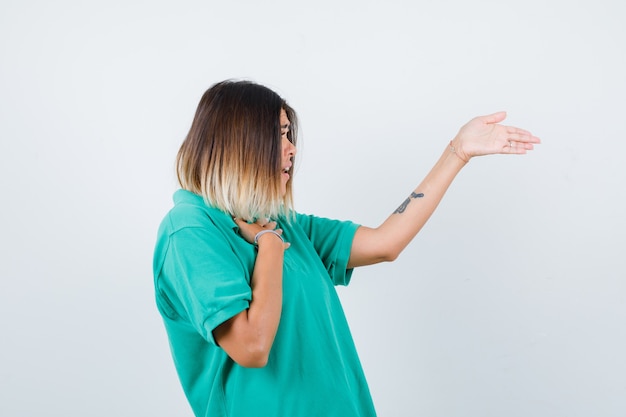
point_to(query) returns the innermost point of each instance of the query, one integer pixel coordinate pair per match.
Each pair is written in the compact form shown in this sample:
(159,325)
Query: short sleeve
(202,279)
(332,240)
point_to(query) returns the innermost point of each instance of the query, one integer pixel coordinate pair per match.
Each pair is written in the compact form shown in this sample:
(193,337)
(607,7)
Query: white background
(511,301)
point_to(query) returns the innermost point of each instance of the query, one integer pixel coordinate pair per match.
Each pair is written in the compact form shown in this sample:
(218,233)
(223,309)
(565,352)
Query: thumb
(495,117)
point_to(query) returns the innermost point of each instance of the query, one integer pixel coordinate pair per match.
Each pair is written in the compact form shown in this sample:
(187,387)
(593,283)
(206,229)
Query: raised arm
(480,136)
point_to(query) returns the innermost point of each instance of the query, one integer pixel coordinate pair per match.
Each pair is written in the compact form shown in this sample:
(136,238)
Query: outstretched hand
(484,136)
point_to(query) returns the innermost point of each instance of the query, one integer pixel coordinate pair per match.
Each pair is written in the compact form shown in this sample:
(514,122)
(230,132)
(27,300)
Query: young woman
(245,284)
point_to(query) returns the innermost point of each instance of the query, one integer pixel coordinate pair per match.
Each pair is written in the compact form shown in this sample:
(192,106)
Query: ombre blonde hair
(232,153)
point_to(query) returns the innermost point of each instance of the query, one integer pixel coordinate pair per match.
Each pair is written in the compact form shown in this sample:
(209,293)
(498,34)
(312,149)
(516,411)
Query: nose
(289,149)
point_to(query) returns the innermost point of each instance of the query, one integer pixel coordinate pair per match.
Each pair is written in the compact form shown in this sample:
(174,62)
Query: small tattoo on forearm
(406,202)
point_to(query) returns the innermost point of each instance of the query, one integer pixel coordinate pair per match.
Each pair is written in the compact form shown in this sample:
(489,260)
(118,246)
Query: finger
(287,245)
(517,148)
(516,130)
(521,135)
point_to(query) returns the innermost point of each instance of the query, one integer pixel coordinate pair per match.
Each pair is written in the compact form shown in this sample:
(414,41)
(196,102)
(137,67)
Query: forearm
(384,243)
(267,292)
(248,337)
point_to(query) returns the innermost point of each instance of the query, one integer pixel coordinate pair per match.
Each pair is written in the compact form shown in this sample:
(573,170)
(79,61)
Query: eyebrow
(285,126)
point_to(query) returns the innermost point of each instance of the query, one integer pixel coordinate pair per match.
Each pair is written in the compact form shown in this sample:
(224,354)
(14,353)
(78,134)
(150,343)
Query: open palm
(484,135)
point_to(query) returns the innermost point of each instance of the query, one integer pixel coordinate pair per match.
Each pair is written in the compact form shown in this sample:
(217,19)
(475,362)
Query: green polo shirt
(202,271)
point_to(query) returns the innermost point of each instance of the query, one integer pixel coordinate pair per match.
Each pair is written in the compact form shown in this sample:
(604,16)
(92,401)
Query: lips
(285,174)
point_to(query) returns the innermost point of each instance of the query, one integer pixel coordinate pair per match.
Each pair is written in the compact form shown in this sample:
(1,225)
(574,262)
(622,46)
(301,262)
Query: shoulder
(194,231)
(191,211)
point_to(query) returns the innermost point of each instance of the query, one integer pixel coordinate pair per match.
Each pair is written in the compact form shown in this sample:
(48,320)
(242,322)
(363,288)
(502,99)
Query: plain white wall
(510,302)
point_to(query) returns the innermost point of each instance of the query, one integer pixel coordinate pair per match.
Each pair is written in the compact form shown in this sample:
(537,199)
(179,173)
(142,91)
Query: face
(288,151)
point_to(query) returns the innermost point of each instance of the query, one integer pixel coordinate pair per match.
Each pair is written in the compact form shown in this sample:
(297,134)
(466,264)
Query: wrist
(453,148)
(265,233)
